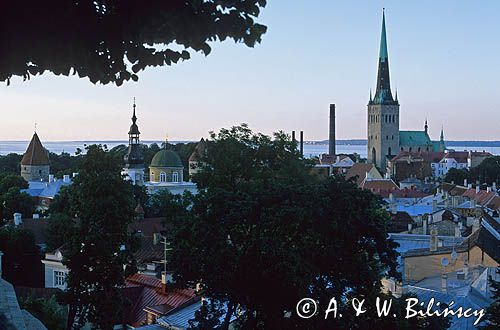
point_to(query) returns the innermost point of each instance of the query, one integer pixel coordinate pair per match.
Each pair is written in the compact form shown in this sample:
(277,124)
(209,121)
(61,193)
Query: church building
(166,171)
(385,139)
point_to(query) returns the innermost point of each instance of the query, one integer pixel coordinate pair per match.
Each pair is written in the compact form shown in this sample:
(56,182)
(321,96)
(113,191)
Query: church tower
(134,159)
(383,113)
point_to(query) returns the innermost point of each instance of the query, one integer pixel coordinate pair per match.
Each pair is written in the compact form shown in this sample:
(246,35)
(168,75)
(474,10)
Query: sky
(444,61)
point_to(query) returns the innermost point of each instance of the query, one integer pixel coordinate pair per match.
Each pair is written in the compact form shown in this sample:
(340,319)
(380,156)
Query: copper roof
(36,154)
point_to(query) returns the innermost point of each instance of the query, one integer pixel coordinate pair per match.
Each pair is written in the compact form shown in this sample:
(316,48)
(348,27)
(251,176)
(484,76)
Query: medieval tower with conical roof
(134,159)
(383,113)
(35,162)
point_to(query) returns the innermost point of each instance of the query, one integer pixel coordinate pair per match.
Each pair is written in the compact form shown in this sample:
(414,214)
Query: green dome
(166,158)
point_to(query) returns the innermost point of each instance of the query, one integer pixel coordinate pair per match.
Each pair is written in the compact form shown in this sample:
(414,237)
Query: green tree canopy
(22,263)
(262,233)
(98,251)
(112,40)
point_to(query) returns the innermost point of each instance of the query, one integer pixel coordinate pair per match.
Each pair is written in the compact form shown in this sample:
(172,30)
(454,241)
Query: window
(175,177)
(387,137)
(59,278)
(163,177)
(392,137)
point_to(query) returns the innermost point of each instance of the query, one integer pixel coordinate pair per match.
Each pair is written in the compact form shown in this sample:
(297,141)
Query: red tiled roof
(359,170)
(152,296)
(36,153)
(427,156)
(482,197)
(494,204)
(459,156)
(379,185)
(199,151)
(409,193)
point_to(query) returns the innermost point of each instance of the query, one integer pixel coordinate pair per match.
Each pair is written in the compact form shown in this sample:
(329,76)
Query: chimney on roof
(444,283)
(75,174)
(331,137)
(66,178)
(410,227)
(433,246)
(488,189)
(51,178)
(164,282)
(18,219)
(465,182)
(494,186)
(469,186)
(478,188)
(476,223)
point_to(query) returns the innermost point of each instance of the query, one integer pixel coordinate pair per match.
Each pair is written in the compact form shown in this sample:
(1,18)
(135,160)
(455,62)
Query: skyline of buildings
(445,71)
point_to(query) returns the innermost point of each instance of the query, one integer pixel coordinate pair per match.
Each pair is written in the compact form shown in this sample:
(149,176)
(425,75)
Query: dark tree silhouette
(112,40)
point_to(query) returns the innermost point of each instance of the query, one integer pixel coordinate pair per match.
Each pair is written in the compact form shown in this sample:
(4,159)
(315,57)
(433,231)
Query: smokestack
(302,143)
(331,138)
(293,136)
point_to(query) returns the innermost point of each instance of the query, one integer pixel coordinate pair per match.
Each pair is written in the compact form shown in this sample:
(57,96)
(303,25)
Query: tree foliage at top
(263,233)
(110,41)
(493,311)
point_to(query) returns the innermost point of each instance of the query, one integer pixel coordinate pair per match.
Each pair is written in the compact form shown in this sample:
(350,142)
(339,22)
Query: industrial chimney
(302,143)
(331,138)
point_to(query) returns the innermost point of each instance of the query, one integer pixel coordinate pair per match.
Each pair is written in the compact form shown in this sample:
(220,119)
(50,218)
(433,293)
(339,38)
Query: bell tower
(383,113)
(134,159)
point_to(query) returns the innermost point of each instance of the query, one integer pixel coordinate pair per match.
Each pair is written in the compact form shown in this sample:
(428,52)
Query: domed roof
(166,158)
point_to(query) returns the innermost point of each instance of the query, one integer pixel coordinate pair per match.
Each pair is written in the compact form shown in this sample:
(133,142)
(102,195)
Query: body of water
(310,150)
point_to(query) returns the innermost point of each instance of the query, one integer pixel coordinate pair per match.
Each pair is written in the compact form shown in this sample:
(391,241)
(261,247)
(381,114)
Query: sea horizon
(311,148)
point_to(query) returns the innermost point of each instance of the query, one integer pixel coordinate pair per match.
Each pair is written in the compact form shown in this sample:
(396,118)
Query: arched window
(393,118)
(175,177)
(389,151)
(163,177)
(409,149)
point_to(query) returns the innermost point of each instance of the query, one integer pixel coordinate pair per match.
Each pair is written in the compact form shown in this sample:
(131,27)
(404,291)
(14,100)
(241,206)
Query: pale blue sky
(444,60)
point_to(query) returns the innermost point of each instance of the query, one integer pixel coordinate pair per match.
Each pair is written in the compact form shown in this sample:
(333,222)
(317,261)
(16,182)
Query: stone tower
(383,113)
(35,162)
(134,159)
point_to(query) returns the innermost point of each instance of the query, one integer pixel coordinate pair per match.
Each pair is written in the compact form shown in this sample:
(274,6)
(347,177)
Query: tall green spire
(383,94)
(383,41)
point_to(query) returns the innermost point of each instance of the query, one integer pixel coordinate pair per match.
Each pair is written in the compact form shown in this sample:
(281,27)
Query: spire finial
(383,40)
(426,126)
(35,127)
(396,96)
(134,118)
(442,133)
(370,95)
